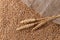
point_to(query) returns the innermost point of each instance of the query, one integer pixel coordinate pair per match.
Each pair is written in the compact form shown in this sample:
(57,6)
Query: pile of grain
(12,12)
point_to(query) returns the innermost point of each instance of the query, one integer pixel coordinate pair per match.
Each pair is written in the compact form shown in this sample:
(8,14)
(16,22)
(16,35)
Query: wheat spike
(26,26)
(39,25)
(28,20)
(45,21)
(41,20)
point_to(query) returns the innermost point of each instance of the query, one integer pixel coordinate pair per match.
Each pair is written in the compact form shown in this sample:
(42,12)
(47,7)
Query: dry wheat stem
(34,20)
(41,20)
(45,21)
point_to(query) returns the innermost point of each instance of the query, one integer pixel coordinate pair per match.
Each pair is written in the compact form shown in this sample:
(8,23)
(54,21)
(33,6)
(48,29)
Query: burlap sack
(12,12)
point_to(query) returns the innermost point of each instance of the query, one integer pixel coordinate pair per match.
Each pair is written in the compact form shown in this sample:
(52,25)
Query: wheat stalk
(45,21)
(41,21)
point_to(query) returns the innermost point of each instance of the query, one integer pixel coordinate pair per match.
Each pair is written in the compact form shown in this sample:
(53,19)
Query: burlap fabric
(12,12)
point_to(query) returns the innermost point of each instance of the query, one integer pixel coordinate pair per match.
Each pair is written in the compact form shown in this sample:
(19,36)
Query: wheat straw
(45,21)
(41,20)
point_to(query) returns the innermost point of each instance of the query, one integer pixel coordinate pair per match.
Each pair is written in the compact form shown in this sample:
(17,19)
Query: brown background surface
(12,12)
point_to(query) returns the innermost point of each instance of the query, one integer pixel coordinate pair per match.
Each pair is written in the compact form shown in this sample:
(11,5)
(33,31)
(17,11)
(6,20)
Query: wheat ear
(28,20)
(26,26)
(45,21)
(33,20)
(39,25)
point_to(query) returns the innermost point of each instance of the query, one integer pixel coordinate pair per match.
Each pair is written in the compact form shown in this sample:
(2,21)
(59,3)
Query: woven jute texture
(12,12)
